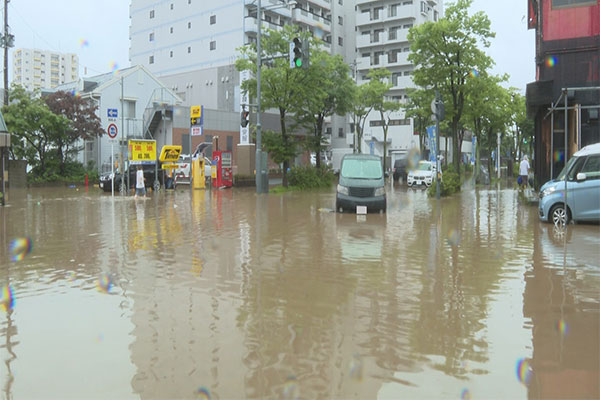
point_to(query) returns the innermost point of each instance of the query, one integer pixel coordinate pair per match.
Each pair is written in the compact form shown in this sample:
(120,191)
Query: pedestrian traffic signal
(245,118)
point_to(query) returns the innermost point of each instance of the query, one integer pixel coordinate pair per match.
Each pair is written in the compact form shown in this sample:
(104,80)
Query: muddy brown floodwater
(228,295)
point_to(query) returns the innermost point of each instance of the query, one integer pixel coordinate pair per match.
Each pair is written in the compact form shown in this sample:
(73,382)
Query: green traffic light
(298,62)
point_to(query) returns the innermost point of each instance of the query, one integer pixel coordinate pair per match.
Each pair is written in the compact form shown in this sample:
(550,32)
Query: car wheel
(559,215)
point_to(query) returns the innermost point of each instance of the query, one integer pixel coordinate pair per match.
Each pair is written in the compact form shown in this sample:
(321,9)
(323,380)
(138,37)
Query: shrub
(450,183)
(307,177)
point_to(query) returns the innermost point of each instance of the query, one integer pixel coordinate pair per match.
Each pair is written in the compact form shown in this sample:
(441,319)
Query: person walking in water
(524,168)
(140,186)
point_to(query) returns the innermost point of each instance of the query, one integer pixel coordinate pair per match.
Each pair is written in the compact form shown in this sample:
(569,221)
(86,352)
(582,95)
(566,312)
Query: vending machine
(222,169)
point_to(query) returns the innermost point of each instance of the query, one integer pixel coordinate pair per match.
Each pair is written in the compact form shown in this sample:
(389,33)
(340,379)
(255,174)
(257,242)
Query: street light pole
(259,155)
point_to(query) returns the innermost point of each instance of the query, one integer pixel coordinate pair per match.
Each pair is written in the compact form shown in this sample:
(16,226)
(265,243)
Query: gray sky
(61,25)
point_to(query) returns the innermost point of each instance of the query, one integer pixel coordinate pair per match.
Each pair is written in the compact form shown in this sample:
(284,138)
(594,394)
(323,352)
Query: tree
(361,108)
(327,91)
(418,108)
(523,125)
(485,111)
(379,82)
(445,54)
(83,123)
(34,127)
(280,84)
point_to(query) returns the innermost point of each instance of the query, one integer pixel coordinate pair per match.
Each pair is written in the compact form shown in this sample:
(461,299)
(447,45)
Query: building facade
(382,42)
(192,45)
(567,71)
(41,69)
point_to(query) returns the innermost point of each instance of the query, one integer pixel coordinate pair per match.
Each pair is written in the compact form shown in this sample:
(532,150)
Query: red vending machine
(222,165)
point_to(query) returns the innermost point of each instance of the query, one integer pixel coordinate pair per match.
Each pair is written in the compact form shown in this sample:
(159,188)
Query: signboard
(169,153)
(170,166)
(112,113)
(142,152)
(432,143)
(196,131)
(244,100)
(197,116)
(112,131)
(195,111)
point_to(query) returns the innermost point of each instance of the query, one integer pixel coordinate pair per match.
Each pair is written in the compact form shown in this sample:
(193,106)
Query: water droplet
(104,283)
(453,237)
(203,393)
(465,394)
(290,388)
(19,248)
(356,368)
(7,301)
(562,327)
(524,371)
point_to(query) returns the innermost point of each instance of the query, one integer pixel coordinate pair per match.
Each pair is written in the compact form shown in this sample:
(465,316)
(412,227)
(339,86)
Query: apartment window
(151,60)
(189,49)
(340,2)
(376,35)
(151,37)
(213,45)
(340,20)
(171,6)
(406,49)
(171,54)
(393,56)
(341,132)
(171,30)
(571,3)
(408,26)
(365,55)
(395,77)
(423,7)
(377,11)
(393,33)
(406,3)
(213,19)
(229,143)
(189,25)
(376,57)
(435,15)
(328,131)
(340,41)
(393,10)
(151,14)
(407,73)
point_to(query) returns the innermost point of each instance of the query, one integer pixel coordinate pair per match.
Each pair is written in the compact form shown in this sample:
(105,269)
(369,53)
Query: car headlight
(342,190)
(380,191)
(548,191)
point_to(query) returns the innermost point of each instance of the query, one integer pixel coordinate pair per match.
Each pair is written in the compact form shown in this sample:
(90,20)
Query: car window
(592,167)
(362,169)
(424,166)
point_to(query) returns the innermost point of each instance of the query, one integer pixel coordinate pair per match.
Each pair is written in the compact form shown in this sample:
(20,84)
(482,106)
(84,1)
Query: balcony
(326,5)
(403,82)
(303,16)
(360,2)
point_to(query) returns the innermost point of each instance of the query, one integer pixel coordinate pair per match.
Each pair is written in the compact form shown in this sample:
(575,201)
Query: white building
(192,44)
(381,41)
(41,69)
(132,99)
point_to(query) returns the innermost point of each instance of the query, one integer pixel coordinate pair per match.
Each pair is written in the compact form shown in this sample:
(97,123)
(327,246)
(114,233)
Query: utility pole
(7,41)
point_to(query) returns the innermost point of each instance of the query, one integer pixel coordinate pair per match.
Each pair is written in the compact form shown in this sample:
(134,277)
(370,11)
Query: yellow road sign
(195,111)
(169,153)
(170,166)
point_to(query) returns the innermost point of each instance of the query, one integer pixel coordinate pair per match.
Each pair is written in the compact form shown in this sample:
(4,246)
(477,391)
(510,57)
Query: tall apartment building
(41,69)
(192,45)
(381,42)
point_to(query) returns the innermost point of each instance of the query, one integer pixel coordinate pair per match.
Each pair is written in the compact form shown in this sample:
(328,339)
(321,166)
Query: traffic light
(245,118)
(296,53)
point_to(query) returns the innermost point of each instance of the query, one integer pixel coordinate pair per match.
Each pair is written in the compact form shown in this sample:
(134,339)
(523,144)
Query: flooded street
(229,295)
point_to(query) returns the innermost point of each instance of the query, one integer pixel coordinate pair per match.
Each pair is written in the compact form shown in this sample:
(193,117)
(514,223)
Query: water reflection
(230,294)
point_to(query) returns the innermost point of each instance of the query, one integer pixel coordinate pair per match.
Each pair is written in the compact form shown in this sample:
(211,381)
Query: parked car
(423,175)
(361,183)
(582,174)
(182,174)
(400,169)
(149,174)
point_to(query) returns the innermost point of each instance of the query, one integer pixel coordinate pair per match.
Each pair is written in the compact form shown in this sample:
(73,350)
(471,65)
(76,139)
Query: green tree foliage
(35,128)
(418,108)
(327,90)
(446,55)
(361,107)
(83,124)
(280,85)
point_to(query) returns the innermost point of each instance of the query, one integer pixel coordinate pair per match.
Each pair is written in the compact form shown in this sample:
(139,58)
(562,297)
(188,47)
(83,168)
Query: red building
(567,69)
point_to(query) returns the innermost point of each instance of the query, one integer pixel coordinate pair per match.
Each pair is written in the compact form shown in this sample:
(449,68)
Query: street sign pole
(112,169)
(124,189)
(435,107)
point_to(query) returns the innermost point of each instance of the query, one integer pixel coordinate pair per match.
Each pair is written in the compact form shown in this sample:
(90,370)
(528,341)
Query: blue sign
(432,143)
(371,148)
(112,113)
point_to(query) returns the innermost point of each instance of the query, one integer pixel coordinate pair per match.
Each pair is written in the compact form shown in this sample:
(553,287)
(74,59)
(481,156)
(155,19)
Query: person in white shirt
(524,168)
(140,187)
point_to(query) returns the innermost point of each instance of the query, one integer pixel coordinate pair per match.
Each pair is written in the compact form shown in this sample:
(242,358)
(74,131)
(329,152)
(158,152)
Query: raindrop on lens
(356,368)
(453,237)
(562,327)
(465,394)
(104,283)
(203,393)
(290,388)
(19,248)
(524,371)
(7,302)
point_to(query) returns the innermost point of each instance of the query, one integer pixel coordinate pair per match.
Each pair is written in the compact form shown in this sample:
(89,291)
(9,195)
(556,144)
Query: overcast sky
(98,31)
